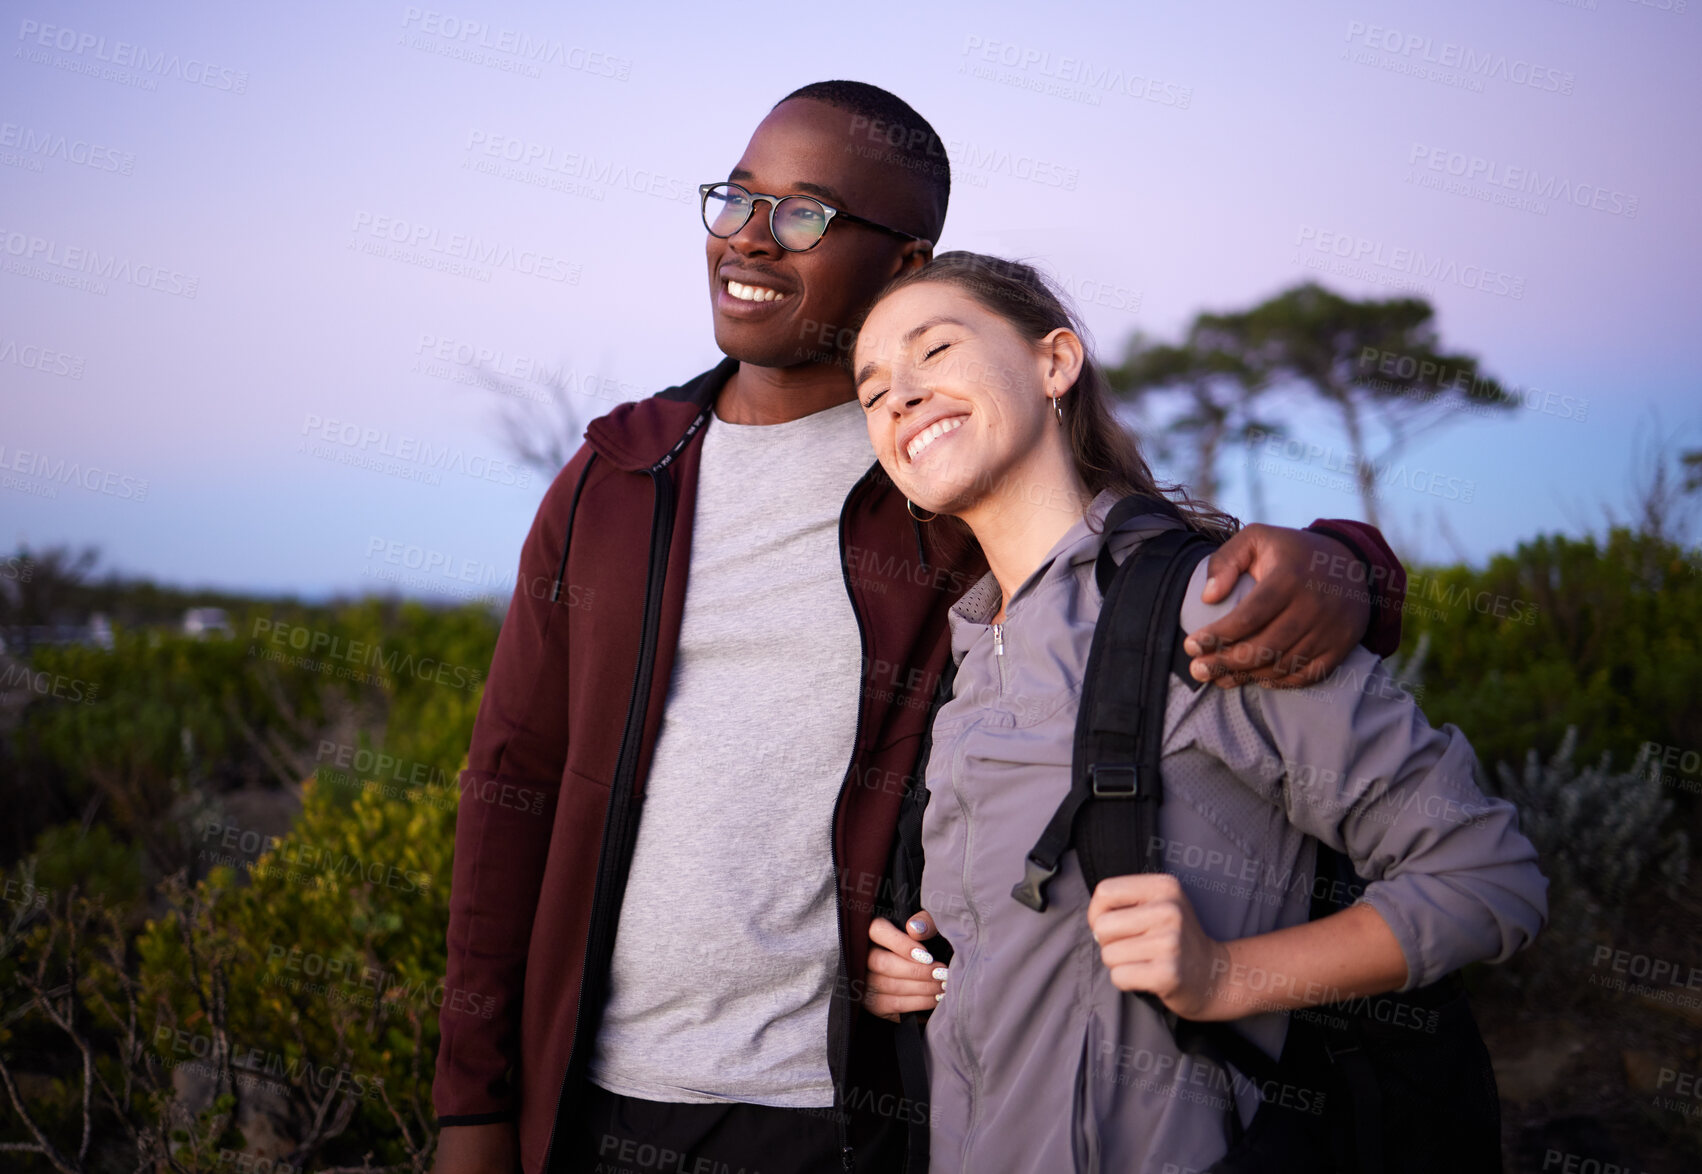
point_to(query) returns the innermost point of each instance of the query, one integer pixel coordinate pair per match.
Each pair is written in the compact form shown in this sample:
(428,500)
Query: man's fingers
(1227,563)
(1257,608)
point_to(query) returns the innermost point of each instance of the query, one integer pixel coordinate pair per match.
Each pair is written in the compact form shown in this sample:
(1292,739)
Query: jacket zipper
(999,654)
(616,855)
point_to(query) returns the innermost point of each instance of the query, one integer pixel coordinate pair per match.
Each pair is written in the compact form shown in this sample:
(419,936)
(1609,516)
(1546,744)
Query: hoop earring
(911,506)
(1058,407)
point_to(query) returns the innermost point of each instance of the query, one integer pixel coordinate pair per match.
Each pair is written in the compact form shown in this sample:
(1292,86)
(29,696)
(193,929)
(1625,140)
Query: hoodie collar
(636,436)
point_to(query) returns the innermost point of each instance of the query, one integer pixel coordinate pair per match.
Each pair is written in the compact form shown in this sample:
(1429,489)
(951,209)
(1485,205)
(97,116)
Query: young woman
(987,413)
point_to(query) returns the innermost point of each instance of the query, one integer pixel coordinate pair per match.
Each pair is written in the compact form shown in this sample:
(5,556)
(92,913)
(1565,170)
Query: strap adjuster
(1114,780)
(1031,889)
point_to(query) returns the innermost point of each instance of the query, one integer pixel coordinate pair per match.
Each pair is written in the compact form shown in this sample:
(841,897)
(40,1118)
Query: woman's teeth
(930,434)
(753,293)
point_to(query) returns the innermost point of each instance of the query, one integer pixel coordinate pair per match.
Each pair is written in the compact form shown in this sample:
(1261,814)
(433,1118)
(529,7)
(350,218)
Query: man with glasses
(679,991)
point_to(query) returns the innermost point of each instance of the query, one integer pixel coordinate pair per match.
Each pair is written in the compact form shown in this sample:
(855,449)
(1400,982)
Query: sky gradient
(236,243)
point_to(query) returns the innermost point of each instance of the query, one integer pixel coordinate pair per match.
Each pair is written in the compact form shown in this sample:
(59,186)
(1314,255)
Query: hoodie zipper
(621,822)
(999,654)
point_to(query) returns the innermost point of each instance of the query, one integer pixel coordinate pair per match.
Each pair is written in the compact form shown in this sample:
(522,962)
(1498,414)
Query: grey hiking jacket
(1036,1061)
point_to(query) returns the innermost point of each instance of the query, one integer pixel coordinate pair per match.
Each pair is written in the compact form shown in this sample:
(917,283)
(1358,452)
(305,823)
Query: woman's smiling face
(954,397)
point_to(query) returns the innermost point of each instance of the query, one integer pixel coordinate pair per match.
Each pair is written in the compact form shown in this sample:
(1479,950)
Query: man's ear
(914,255)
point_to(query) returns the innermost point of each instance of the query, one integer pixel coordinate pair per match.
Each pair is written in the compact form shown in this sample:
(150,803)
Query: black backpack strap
(1114,766)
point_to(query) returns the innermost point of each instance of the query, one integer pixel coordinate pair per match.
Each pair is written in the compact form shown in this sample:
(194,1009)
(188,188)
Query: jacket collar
(1080,544)
(637,435)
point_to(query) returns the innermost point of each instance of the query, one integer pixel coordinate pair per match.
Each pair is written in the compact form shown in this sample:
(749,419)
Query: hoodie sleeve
(502,830)
(1354,762)
(1384,579)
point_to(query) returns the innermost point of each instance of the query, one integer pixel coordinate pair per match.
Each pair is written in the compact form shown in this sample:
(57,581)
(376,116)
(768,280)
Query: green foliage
(1561,633)
(302,985)
(94,861)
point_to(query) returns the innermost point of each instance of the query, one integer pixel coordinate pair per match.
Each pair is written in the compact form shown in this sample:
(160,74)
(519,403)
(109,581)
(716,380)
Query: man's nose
(756,234)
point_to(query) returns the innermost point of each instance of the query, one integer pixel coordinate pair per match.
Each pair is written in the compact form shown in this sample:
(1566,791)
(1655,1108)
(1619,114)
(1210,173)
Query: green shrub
(1564,633)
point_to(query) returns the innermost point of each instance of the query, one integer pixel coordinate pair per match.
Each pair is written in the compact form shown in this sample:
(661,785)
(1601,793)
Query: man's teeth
(930,434)
(753,293)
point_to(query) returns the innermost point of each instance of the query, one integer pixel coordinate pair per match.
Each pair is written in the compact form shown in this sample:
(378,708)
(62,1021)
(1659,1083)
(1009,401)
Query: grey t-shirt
(728,942)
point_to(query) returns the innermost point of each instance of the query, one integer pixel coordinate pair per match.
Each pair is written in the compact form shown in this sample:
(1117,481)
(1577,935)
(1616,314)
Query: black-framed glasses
(797,222)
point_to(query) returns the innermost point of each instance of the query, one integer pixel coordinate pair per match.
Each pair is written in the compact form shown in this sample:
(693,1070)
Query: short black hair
(902,136)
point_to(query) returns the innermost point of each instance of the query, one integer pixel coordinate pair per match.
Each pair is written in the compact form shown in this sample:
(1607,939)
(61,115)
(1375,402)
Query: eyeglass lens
(798,220)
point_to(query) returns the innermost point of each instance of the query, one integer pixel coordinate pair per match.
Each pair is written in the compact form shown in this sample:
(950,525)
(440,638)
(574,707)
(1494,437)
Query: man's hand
(1150,940)
(902,975)
(1296,624)
(478,1149)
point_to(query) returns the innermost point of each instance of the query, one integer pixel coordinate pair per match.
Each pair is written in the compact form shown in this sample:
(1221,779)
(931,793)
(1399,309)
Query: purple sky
(1159,161)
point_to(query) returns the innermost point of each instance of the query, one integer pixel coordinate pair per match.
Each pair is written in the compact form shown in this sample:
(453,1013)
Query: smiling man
(729,624)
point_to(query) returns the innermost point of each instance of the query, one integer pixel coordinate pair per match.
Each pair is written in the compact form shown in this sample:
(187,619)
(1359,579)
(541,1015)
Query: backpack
(1403,1079)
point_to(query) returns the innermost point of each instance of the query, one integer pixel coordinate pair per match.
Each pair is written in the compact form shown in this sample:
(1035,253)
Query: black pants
(614,1134)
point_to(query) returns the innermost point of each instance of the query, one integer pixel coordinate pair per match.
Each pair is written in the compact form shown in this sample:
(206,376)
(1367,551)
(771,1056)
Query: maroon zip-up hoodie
(562,744)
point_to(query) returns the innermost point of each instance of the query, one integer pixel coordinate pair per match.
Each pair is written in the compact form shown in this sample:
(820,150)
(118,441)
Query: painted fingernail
(941,973)
(939,996)
(918,925)
(921,955)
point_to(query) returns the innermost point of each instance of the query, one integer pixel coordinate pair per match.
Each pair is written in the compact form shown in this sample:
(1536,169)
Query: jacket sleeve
(1382,574)
(502,830)
(1354,762)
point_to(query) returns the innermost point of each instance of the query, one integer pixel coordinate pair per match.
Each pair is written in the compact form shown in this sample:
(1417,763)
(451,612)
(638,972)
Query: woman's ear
(1061,356)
